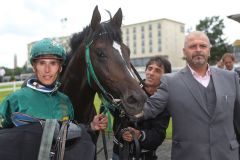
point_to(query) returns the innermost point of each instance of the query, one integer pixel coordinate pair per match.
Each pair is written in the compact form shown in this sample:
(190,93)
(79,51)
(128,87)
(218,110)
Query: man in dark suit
(203,102)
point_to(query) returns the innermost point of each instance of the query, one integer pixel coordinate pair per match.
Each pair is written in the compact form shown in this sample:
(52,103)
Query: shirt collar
(32,83)
(207,74)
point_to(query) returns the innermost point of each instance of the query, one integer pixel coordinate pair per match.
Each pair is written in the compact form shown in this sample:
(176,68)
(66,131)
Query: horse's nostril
(131,100)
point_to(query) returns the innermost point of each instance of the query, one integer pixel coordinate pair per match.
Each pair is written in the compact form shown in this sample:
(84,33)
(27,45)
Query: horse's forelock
(109,32)
(105,31)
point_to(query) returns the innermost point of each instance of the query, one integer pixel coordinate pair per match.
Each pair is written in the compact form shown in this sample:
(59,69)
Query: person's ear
(184,53)
(34,70)
(60,69)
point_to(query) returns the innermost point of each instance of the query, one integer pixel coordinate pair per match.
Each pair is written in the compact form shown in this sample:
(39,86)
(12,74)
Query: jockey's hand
(127,136)
(99,122)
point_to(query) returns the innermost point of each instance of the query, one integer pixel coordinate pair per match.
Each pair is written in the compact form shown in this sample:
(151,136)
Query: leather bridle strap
(142,84)
(104,144)
(124,153)
(137,146)
(62,140)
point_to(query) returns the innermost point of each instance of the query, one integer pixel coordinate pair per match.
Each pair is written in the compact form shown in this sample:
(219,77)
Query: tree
(213,27)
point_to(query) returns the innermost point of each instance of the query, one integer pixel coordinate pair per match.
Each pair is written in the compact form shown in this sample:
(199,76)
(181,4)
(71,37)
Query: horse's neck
(76,87)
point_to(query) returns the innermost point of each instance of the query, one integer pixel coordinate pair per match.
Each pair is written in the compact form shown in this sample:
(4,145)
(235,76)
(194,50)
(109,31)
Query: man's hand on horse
(99,122)
(128,134)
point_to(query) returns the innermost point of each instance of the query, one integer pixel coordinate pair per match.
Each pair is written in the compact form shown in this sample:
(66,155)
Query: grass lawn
(10,86)
(4,94)
(97,103)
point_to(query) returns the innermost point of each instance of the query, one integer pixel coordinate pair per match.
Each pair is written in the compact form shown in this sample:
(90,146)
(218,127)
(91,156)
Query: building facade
(158,37)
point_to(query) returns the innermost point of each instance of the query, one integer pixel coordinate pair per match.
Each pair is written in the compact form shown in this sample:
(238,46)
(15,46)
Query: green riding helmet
(47,46)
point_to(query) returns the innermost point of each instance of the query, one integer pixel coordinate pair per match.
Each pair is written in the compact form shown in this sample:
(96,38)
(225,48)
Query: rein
(141,81)
(107,99)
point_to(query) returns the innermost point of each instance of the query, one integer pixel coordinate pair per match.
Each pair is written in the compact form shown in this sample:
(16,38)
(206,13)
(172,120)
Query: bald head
(197,51)
(196,34)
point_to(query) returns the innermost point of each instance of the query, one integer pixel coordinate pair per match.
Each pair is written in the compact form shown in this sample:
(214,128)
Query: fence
(10,86)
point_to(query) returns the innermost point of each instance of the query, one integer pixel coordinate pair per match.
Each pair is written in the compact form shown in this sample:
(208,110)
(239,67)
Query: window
(142,28)
(182,29)
(150,27)
(150,34)
(159,48)
(134,36)
(140,62)
(134,29)
(150,49)
(159,26)
(150,42)
(134,44)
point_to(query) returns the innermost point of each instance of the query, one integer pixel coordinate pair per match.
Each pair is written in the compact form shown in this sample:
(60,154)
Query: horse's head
(108,62)
(110,59)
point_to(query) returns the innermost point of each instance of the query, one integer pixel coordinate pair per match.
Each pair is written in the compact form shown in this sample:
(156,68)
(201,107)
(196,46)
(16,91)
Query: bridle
(108,101)
(105,96)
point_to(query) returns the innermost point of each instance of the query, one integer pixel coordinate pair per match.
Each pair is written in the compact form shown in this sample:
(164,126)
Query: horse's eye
(100,54)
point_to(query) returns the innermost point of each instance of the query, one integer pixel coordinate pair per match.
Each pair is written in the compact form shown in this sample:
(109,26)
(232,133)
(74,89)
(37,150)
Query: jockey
(40,99)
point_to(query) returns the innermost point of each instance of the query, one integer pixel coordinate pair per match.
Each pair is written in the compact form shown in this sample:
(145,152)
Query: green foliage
(213,27)
(12,72)
(17,70)
(169,130)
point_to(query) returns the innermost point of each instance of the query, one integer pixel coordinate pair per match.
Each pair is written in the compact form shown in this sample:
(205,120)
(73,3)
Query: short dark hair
(160,61)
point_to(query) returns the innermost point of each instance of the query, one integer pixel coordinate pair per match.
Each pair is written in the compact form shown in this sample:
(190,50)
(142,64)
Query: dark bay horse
(100,63)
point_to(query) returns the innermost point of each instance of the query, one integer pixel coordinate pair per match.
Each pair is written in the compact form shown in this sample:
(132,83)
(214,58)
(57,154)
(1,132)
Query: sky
(25,21)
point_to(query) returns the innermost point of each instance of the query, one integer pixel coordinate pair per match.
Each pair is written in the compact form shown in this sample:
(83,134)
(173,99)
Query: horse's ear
(96,18)
(117,18)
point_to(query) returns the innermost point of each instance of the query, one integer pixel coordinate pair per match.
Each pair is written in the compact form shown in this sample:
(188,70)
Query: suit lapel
(192,84)
(217,86)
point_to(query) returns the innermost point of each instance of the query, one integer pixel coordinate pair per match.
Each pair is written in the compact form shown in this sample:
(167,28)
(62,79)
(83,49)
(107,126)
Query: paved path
(163,152)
